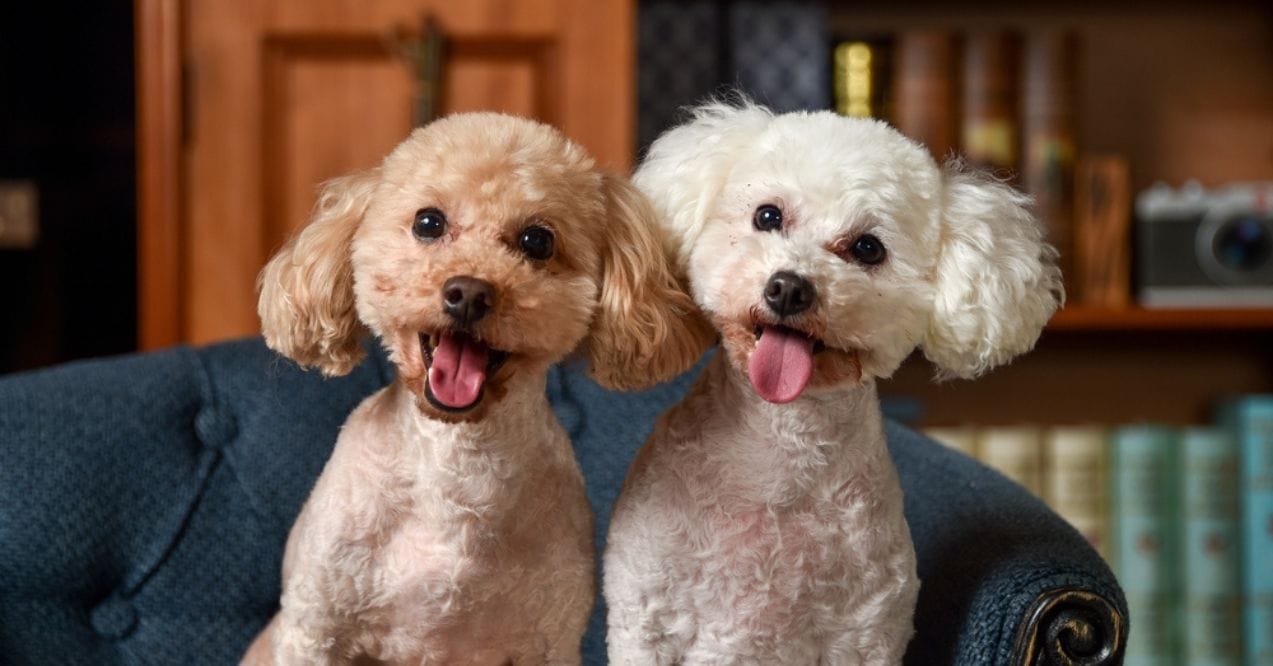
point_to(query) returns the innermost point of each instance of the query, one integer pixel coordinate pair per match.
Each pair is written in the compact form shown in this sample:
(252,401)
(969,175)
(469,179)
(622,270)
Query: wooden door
(246,106)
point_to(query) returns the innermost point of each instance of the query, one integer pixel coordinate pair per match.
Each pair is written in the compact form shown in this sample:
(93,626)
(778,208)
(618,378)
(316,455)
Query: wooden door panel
(284,95)
(508,87)
(501,73)
(331,105)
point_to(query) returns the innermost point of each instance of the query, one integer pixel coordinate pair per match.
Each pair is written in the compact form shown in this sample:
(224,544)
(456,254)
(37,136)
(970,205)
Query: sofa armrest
(1003,579)
(1071,627)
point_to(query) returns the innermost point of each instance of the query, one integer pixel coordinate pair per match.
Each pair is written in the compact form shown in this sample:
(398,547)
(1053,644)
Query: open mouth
(782,362)
(818,345)
(458,367)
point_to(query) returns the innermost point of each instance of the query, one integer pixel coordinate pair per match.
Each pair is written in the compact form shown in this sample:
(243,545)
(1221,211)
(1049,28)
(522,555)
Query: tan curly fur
(438,534)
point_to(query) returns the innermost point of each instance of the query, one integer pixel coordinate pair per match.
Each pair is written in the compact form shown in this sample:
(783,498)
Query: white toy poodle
(450,525)
(762,523)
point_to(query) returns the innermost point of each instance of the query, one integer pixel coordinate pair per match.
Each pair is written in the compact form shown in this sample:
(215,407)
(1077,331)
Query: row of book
(1184,516)
(1006,101)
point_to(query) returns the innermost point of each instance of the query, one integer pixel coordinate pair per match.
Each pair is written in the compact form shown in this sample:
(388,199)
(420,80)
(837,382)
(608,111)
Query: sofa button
(114,618)
(215,427)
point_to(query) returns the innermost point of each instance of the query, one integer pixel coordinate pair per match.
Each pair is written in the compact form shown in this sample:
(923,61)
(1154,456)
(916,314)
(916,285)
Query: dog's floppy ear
(996,280)
(307,290)
(647,328)
(686,166)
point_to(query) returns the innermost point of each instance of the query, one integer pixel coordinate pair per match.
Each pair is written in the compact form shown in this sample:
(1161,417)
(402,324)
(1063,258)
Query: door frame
(160,128)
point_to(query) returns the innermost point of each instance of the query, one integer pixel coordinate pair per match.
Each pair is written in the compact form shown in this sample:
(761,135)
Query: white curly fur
(445,536)
(753,532)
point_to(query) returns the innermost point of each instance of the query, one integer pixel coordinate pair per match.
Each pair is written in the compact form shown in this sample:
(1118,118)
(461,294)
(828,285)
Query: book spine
(1015,452)
(1048,119)
(924,89)
(1075,479)
(1143,516)
(1102,232)
(1210,587)
(1252,421)
(859,72)
(988,102)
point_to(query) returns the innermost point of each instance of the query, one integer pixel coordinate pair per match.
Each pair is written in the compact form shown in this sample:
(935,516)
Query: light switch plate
(19,214)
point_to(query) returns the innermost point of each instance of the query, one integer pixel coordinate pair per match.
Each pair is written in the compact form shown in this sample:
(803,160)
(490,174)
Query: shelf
(1080,318)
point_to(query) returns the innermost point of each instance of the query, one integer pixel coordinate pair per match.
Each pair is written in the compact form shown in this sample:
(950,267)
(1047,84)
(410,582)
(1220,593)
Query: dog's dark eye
(430,223)
(868,250)
(536,242)
(767,218)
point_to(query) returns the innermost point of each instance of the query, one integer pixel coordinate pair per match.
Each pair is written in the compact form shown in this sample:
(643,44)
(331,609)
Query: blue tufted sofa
(144,502)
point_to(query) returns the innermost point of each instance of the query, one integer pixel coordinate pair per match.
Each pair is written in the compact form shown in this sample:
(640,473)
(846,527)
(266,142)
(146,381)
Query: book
(1211,600)
(1102,232)
(1182,508)
(988,128)
(924,89)
(1048,135)
(1250,419)
(960,438)
(1075,480)
(1015,452)
(1143,516)
(859,73)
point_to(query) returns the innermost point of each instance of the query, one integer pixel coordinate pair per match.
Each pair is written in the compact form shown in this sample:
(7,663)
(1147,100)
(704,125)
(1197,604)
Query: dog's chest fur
(806,567)
(780,569)
(467,586)
(445,547)
(786,525)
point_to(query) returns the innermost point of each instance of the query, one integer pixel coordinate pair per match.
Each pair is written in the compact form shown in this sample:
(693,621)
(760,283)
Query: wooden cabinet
(245,106)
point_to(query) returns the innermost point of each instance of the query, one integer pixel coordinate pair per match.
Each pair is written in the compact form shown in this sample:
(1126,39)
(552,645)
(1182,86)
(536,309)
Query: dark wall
(67,122)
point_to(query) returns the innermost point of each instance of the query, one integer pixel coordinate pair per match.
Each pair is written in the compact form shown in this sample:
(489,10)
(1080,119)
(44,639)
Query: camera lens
(1243,244)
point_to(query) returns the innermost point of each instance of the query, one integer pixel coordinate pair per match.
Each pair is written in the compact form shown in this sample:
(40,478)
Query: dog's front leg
(315,622)
(297,642)
(850,651)
(283,642)
(641,630)
(883,642)
(648,619)
(563,653)
(261,651)
(628,648)
(275,646)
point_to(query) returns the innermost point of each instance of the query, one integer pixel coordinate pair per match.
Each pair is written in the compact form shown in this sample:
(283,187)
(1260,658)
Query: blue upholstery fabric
(144,503)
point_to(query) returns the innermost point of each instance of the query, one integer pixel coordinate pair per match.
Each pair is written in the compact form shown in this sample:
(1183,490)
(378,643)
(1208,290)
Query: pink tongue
(781,365)
(458,370)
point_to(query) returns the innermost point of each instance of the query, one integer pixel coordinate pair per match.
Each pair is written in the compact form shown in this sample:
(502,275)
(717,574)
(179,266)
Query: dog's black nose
(467,299)
(789,294)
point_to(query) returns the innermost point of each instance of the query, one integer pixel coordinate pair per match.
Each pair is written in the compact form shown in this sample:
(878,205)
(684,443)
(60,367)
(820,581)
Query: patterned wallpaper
(776,52)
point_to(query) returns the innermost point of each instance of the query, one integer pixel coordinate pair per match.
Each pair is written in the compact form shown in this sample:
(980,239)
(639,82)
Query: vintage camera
(1200,247)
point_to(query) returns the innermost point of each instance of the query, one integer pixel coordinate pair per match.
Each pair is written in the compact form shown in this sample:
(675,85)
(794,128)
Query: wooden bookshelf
(1133,319)
(1173,113)
(1181,93)
(1099,377)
